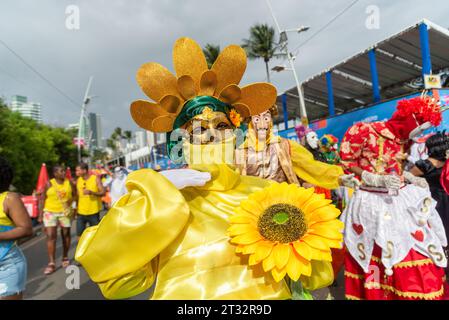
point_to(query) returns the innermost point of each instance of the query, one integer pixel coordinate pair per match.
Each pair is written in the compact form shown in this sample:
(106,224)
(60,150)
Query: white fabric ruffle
(397,224)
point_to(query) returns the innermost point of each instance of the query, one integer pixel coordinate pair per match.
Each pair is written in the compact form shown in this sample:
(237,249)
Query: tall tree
(261,44)
(27,144)
(211,52)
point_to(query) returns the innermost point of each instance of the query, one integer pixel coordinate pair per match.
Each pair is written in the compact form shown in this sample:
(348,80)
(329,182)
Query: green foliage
(211,53)
(27,144)
(261,44)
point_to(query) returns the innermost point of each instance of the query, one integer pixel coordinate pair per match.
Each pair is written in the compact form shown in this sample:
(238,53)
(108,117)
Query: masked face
(419,130)
(208,128)
(312,140)
(262,124)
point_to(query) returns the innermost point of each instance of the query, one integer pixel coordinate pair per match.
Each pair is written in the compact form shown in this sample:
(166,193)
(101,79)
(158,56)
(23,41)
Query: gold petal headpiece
(193,78)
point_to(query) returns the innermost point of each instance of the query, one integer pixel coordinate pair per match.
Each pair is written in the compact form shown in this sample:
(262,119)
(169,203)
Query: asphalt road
(54,286)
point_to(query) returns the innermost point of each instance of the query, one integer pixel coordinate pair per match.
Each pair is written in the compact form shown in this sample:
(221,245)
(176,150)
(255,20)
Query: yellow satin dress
(178,239)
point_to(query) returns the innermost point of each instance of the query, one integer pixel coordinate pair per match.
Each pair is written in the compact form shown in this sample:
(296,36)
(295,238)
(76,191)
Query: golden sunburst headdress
(177,99)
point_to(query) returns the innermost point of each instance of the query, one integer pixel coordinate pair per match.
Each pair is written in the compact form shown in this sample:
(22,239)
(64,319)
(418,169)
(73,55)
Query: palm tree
(261,44)
(211,52)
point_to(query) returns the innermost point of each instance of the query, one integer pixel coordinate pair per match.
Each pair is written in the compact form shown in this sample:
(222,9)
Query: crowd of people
(62,202)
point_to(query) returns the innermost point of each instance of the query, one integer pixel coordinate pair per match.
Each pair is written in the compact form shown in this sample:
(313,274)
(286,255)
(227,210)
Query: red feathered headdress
(425,109)
(412,113)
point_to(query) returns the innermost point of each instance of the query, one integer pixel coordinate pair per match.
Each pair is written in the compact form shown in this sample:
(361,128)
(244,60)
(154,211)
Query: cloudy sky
(117,36)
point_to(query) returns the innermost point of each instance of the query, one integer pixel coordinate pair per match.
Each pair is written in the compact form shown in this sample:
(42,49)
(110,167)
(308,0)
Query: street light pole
(284,46)
(83,115)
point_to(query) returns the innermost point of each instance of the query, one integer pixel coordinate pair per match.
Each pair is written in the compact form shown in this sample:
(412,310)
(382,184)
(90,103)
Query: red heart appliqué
(418,235)
(357,228)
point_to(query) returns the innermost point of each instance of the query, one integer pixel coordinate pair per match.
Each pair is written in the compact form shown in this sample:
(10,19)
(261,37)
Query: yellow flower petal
(247,238)
(321,255)
(301,197)
(315,242)
(251,206)
(242,218)
(278,274)
(239,249)
(263,250)
(252,260)
(250,248)
(336,244)
(294,267)
(281,254)
(314,203)
(303,249)
(328,213)
(238,229)
(322,276)
(324,231)
(269,262)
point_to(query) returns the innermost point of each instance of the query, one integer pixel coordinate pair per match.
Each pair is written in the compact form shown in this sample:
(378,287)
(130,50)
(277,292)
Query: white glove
(417,181)
(391,182)
(349,181)
(183,178)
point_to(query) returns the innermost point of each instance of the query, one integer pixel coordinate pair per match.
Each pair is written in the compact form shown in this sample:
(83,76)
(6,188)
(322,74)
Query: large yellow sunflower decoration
(287,229)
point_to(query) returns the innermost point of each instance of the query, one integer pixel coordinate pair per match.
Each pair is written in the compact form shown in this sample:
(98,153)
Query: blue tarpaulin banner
(338,125)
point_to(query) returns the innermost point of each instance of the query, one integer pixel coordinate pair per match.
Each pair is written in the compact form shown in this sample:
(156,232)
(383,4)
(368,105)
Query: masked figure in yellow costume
(208,232)
(268,156)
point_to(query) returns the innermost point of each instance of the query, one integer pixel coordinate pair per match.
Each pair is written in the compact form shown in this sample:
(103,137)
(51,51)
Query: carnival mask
(209,127)
(262,125)
(312,140)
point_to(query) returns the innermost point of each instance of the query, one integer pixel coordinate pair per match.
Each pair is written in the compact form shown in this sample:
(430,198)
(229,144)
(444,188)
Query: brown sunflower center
(282,222)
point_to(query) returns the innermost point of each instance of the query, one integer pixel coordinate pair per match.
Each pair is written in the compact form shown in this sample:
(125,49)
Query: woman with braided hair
(14,224)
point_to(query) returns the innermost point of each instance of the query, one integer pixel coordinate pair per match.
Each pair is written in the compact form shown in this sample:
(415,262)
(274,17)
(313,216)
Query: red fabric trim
(427,279)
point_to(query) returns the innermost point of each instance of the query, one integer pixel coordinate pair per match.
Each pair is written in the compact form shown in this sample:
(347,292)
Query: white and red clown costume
(394,240)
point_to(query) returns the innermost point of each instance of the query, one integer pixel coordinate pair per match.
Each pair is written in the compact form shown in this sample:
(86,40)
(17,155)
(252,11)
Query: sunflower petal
(239,249)
(303,249)
(315,242)
(328,213)
(269,262)
(263,250)
(315,202)
(326,232)
(294,268)
(242,218)
(247,238)
(281,255)
(250,248)
(321,255)
(252,260)
(251,206)
(278,274)
(238,229)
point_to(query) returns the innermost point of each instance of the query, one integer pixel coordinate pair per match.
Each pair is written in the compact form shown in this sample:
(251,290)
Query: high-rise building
(27,109)
(96,130)
(141,139)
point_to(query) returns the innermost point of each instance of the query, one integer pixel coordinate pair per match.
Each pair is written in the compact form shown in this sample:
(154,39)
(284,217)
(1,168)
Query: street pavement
(53,287)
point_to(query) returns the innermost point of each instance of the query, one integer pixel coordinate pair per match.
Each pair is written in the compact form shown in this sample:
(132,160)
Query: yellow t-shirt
(53,203)
(88,204)
(4,219)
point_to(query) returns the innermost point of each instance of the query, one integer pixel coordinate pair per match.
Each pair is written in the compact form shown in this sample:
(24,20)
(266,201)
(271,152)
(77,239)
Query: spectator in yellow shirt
(89,190)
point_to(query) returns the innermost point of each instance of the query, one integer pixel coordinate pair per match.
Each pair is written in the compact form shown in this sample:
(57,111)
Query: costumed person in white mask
(309,139)
(393,233)
(117,185)
(208,232)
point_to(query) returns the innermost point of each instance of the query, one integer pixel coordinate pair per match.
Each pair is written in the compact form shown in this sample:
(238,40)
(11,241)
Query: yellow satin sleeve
(119,254)
(312,171)
(322,276)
